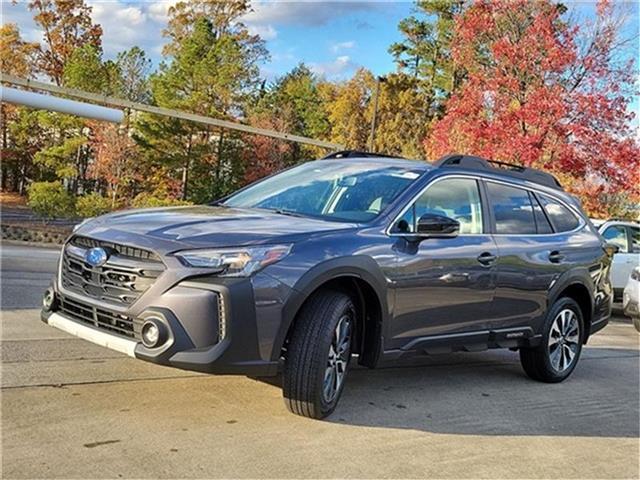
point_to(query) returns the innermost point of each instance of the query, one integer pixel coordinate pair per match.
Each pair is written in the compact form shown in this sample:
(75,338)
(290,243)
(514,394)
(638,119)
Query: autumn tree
(348,108)
(295,103)
(16,58)
(117,162)
(541,91)
(66,25)
(211,68)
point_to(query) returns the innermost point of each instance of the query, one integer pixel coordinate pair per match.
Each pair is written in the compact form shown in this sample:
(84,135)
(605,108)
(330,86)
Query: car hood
(167,229)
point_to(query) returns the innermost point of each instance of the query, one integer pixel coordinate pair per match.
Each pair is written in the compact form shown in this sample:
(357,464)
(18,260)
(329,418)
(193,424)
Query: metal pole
(375,112)
(141,107)
(62,105)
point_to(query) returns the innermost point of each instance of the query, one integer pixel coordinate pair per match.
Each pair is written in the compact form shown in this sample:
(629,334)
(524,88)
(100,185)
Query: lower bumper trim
(92,335)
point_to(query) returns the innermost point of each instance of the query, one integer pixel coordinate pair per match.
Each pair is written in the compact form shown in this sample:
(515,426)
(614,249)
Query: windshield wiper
(289,213)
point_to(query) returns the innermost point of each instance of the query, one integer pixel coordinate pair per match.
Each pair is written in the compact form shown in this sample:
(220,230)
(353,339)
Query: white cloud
(266,32)
(340,46)
(125,25)
(306,12)
(335,69)
(158,11)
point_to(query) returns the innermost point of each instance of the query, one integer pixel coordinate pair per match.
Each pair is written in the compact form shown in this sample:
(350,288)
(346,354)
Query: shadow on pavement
(488,394)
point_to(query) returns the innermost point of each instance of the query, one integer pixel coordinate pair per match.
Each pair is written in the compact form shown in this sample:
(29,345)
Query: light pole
(379,80)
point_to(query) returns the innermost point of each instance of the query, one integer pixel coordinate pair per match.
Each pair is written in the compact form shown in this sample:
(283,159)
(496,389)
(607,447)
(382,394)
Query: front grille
(121,250)
(100,318)
(127,274)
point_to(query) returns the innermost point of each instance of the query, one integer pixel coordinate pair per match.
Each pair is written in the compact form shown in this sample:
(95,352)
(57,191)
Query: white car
(626,236)
(631,298)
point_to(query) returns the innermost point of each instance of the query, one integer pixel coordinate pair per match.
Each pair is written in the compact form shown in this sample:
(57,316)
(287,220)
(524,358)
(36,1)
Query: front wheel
(636,323)
(318,354)
(557,355)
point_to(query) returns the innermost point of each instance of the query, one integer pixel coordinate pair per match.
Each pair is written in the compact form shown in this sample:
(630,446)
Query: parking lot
(74,410)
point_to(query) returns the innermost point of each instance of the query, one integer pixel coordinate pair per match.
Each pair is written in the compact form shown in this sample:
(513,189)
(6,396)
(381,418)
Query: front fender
(356,266)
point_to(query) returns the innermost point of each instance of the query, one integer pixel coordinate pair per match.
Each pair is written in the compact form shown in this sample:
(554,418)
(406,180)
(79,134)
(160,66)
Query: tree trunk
(185,168)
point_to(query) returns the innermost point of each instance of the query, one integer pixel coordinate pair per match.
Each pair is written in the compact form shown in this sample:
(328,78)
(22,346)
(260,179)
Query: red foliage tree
(540,91)
(265,155)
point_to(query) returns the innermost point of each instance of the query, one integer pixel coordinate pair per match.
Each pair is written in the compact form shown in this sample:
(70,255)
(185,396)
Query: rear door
(530,254)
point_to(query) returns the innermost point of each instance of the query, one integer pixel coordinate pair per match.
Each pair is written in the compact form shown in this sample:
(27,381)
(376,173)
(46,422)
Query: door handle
(555,257)
(486,258)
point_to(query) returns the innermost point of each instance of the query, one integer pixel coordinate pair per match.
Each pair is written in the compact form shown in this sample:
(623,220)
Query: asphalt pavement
(71,409)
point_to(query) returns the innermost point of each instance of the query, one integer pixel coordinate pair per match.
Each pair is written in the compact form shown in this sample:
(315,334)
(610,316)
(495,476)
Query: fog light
(49,299)
(153,333)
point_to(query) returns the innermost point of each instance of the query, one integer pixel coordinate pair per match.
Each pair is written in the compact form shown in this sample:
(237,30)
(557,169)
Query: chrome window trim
(573,210)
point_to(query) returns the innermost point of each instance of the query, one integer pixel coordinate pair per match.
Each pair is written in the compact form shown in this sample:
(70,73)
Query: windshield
(349,191)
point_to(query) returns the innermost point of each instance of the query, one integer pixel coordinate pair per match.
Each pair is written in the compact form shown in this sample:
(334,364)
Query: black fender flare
(570,278)
(358,266)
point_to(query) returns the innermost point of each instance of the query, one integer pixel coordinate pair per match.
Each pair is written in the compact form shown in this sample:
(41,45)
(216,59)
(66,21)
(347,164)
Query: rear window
(561,217)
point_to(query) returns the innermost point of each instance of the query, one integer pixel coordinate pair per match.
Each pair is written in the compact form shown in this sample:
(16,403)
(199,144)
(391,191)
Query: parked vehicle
(631,298)
(626,236)
(353,254)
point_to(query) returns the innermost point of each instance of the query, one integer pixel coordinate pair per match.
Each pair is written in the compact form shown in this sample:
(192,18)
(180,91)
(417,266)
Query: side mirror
(434,225)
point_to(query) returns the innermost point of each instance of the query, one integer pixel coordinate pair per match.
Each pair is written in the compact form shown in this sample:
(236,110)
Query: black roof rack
(356,154)
(503,168)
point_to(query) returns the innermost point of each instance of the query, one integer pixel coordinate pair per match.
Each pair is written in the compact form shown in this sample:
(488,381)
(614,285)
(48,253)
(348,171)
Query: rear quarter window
(563,219)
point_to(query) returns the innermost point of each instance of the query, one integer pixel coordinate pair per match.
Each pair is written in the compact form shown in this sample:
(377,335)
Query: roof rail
(503,168)
(356,154)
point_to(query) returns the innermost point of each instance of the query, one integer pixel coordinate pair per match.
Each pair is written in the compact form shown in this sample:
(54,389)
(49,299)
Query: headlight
(234,262)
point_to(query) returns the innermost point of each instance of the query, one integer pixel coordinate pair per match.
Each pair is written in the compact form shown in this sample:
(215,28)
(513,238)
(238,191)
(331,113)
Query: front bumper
(214,326)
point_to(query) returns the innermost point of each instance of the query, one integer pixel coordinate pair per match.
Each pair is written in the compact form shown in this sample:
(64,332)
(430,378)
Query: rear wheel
(557,355)
(318,354)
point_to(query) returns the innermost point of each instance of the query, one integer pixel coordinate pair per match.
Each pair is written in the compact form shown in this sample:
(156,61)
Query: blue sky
(334,38)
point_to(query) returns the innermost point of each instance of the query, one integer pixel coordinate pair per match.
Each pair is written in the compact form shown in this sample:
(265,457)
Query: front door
(443,285)
(628,241)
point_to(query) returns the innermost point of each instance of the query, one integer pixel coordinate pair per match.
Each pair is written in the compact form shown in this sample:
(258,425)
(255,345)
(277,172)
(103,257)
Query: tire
(636,323)
(559,351)
(325,324)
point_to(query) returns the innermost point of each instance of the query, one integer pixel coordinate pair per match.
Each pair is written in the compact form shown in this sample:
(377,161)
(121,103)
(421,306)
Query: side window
(542,222)
(635,239)
(561,217)
(617,235)
(457,198)
(512,209)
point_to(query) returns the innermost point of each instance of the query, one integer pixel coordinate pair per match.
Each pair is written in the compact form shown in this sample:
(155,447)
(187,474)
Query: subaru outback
(352,256)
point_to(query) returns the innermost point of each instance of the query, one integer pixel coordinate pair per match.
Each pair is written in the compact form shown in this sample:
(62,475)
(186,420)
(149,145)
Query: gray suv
(354,254)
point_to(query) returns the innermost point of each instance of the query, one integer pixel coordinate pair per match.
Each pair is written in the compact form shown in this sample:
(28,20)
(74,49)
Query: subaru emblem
(96,257)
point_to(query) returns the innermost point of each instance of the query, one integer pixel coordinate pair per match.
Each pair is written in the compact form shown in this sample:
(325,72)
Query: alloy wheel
(564,340)
(338,359)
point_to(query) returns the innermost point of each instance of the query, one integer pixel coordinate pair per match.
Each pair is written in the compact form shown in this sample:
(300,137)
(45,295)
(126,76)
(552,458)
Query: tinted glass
(456,198)
(512,209)
(561,217)
(542,222)
(618,236)
(348,191)
(635,239)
